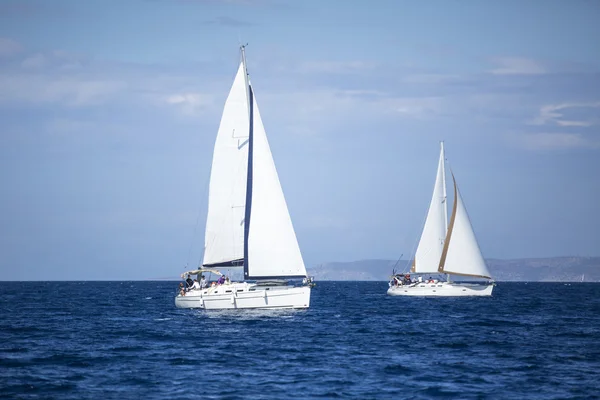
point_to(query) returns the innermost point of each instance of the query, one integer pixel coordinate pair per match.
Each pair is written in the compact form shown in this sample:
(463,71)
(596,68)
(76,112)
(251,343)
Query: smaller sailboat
(445,249)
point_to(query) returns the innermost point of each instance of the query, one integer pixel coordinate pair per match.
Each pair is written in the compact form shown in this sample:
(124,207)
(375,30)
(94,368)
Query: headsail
(273,249)
(462,255)
(224,235)
(430,246)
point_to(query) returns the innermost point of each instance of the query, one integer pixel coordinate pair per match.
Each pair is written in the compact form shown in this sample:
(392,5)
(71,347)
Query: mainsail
(224,235)
(431,244)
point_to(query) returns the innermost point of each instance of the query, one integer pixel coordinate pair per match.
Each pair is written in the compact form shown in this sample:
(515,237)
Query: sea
(126,340)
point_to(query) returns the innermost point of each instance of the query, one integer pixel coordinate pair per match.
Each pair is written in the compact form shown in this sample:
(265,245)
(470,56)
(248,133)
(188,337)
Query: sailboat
(248,225)
(446,249)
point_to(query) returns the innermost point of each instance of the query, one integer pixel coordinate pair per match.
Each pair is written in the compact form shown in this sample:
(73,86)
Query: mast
(444,194)
(444,187)
(248,206)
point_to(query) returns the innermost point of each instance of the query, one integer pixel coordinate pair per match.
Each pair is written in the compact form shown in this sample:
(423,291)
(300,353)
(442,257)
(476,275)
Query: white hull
(245,295)
(442,289)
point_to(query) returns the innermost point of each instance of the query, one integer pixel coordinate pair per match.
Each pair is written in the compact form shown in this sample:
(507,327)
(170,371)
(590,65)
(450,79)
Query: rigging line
(396,264)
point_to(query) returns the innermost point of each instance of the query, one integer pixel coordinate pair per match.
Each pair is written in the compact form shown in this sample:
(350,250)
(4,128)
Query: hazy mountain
(555,269)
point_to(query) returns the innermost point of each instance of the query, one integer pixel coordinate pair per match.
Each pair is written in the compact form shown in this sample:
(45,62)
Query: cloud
(430,78)
(56,60)
(35,61)
(227,21)
(190,103)
(9,47)
(556,140)
(335,67)
(517,66)
(554,114)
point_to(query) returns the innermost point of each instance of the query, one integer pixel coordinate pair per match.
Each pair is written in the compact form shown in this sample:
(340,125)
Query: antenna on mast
(243,51)
(246,76)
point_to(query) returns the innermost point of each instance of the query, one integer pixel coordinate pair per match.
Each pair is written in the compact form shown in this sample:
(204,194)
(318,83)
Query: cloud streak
(517,66)
(554,114)
(335,67)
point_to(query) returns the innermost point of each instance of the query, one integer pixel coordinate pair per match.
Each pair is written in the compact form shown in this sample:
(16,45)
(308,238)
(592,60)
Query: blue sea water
(126,340)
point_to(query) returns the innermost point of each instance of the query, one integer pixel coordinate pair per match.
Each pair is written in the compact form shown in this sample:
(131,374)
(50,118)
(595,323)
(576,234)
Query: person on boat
(203,283)
(189,282)
(221,280)
(195,285)
(181,289)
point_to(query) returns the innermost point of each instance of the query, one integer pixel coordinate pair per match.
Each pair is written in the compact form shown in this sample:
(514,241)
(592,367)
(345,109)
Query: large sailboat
(445,249)
(248,224)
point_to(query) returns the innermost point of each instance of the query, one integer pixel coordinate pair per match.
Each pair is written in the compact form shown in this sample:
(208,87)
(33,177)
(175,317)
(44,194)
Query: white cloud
(335,67)
(190,103)
(430,79)
(553,114)
(517,66)
(415,107)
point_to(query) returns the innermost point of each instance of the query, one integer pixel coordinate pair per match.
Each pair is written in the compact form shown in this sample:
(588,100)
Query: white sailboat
(248,224)
(449,249)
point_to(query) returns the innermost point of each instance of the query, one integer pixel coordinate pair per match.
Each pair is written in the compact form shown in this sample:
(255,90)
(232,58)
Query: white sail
(463,256)
(224,235)
(431,245)
(272,245)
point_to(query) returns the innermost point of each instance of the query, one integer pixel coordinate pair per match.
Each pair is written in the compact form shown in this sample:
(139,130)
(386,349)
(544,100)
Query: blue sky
(109,111)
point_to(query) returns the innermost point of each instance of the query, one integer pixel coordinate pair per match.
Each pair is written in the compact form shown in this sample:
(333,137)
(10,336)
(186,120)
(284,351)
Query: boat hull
(246,296)
(442,289)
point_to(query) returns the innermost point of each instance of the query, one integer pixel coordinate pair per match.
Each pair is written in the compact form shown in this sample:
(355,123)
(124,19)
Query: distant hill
(555,269)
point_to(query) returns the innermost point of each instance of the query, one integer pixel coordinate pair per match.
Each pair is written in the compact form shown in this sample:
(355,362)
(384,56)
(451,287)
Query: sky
(109,111)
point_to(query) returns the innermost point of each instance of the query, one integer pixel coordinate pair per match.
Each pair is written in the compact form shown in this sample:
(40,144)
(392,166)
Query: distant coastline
(550,269)
(544,269)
